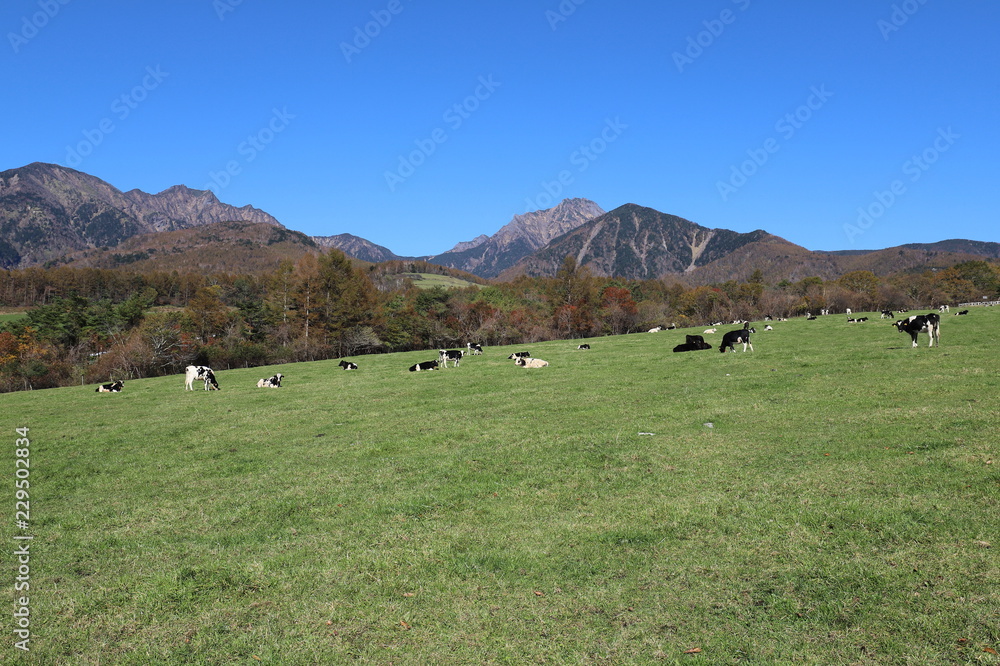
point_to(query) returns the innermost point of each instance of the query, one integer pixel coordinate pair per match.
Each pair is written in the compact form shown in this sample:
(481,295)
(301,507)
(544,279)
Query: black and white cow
(113,387)
(732,338)
(519,355)
(474,348)
(929,323)
(347,365)
(583,346)
(426,365)
(200,373)
(886,314)
(963,312)
(274,381)
(453,355)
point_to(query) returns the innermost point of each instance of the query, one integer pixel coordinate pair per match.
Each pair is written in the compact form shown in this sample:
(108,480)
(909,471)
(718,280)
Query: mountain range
(53,214)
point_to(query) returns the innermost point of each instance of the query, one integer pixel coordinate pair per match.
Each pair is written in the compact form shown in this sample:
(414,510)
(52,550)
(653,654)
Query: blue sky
(416,125)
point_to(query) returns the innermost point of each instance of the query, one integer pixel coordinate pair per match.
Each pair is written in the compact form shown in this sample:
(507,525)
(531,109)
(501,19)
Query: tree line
(86,325)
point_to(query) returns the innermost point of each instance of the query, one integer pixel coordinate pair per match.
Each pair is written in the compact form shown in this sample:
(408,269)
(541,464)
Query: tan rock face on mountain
(521,236)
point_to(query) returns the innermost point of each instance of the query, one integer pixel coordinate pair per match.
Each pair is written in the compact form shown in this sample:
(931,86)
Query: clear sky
(857,124)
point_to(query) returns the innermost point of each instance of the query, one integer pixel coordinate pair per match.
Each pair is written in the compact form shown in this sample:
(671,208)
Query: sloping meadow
(830,497)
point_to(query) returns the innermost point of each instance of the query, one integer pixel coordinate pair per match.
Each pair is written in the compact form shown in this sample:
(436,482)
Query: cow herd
(914,325)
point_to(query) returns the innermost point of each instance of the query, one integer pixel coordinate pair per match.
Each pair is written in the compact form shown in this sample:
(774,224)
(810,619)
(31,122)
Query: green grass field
(10,316)
(431,280)
(830,498)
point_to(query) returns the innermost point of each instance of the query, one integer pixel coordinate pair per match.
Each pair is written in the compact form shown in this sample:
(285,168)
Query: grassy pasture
(841,508)
(11,316)
(431,280)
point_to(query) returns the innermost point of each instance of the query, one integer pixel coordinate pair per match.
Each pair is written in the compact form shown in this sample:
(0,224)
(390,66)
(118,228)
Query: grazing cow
(519,355)
(769,328)
(963,312)
(200,373)
(347,365)
(271,382)
(655,330)
(453,355)
(426,365)
(886,314)
(732,338)
(710,330)
(929,323)
(113,387)
(584,346)
(474,348)
(531,362)
(943,308)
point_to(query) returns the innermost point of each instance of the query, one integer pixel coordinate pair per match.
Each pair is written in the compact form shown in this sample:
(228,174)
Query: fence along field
(831,497)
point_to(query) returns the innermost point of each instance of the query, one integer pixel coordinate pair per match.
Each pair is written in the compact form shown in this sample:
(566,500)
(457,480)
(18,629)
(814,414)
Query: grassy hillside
(430,280)
(830,498)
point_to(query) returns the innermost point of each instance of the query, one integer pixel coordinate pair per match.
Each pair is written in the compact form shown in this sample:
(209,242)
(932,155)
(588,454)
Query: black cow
(519,355)
(692,346)
(426,365)
(732,338)
(347,365)
(113,387)
(929,323)
(963,312)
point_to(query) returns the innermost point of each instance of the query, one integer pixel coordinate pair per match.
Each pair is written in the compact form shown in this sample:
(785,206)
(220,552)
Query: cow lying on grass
(347,365)
(693,343)
(426,365)
(525,362)
(273,381)
(113,387)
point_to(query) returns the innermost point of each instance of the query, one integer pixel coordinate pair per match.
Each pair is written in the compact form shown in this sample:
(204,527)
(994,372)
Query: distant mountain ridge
(357,247)
(520,237)
(47,210)
(50,213)
(637,243)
